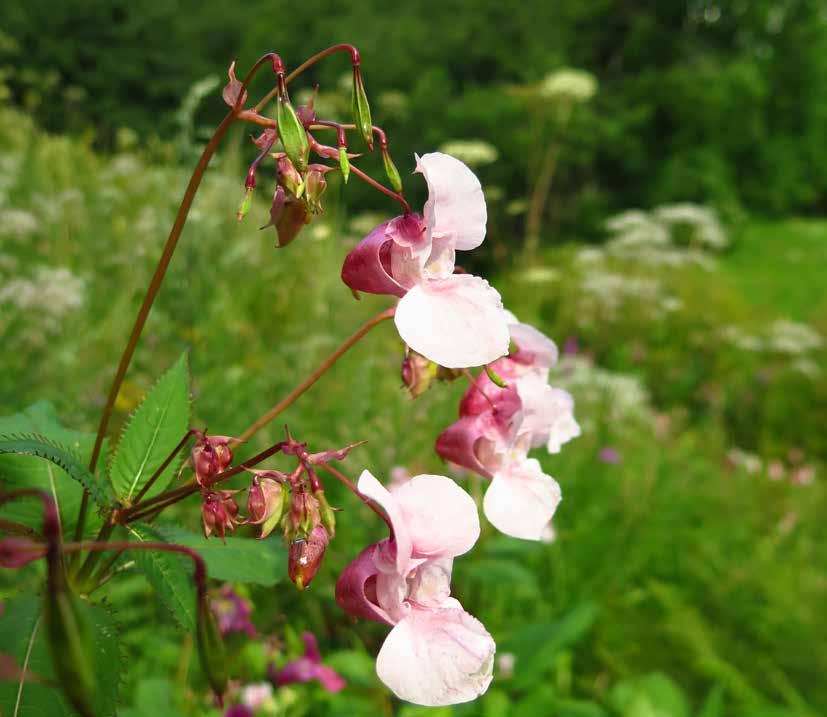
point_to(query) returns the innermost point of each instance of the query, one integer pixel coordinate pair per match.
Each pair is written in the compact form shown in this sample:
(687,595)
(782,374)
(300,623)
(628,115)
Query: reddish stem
(344,479)
(291,397)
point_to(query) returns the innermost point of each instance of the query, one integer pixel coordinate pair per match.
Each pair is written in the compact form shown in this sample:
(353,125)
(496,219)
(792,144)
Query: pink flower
(455,320)
(232,613)
(308,667)
(436,653)
(498,426)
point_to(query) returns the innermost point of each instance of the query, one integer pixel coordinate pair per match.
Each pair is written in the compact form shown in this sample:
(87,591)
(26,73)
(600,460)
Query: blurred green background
(656,179)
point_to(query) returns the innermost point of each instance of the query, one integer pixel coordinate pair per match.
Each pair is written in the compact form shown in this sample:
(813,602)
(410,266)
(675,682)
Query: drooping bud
(303,515)
(288,176)
(495,378)
(15,552)
(344,163)
(219,512)
(210,646)
(391,171)
(418,373)
(316,184)
(266,502)
(292,133)
(305,556)
(210,456)
(246,203)
(326,514)
(291,218)
(360,108)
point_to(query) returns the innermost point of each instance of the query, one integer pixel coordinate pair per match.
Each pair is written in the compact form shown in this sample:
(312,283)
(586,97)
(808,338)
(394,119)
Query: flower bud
(219,512)
(305,556)
(303,515)
(210,456)
(210,646)
(70,644)
(246,203)
(266,503)
(315,186)
(344,163)
(292,133)
(418,373)
(291,220)
(391,171)
(15,552)
(288,176)
(360,108)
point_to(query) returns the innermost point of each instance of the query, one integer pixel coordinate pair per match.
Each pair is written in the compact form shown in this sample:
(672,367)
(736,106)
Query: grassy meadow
(687,573)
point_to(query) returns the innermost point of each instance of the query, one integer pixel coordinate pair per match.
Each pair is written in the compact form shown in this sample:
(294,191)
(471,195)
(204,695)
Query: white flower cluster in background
(702,222)
(474,152)
(569,84)
(52,293)
(622,398)
(792,340)
(698,226)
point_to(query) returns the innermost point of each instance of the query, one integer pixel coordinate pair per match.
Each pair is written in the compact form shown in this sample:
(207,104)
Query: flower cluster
(454,319)
(436,653)
(507,411)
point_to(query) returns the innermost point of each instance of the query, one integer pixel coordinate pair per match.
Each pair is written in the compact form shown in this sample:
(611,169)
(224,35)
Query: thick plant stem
(149,298)
(157,279)
(291,397)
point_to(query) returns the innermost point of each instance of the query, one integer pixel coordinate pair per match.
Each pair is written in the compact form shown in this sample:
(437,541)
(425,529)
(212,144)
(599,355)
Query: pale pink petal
(368,265)
(439,657)
(562,425)
(521,499)
(534,348)
(441,517)
(455,322)
(391,595)
(455,206)
(356,588)
(401,543)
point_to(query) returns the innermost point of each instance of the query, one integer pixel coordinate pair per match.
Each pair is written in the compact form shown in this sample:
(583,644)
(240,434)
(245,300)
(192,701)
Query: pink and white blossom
(436,653)
(498,426)
(455,320)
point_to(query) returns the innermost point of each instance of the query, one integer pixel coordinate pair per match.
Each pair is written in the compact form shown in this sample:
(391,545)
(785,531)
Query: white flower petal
(441,517)
(437,657)
(456,322)
(521,499)
(455,206)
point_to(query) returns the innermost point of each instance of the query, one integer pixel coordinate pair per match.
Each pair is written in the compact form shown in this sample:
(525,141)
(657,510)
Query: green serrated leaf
(243,560)
(27,471)
(151,435)
(169,575)
(42,447)
(23,637)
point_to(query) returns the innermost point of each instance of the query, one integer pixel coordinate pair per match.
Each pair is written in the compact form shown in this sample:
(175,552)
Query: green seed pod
(292,134)
(495,377)
(391,171)
(360,108)
(344,163)
(245,205)
(71,646)
(210,646)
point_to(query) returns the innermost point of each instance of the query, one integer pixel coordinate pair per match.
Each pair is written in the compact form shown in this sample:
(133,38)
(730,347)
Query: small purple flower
(232,613)
(571,347)
(610,455)
(306,668)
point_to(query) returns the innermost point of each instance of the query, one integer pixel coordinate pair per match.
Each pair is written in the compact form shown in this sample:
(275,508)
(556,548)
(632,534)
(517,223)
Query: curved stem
(291,397)
(199,576)
(342,46)
(369,503)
